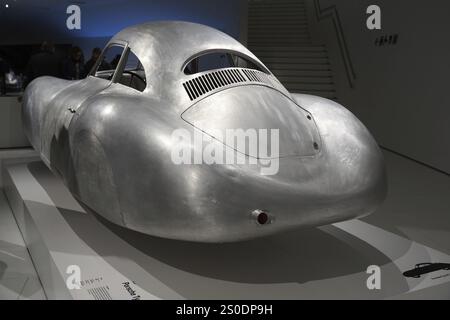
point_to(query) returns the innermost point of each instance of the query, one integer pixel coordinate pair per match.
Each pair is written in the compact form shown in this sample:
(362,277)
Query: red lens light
(262,218)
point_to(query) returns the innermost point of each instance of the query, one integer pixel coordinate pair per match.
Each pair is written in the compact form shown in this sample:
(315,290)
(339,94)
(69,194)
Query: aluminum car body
(112,144)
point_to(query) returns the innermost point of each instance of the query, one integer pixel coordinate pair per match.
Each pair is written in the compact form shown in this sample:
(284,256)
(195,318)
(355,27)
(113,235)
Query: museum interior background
(320,47)
(395,80)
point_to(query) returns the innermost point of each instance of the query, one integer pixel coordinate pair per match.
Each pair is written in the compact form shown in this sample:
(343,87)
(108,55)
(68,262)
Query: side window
(109,62)
(133,74)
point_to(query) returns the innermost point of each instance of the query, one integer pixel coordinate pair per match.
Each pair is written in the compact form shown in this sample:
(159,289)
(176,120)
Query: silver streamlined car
(109,137)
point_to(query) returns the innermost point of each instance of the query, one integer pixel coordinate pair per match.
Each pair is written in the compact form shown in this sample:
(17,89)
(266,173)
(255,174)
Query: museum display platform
(326,263)
(18,277)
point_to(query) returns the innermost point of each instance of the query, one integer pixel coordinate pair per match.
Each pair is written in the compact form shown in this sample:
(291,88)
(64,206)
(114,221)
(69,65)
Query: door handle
(72,110)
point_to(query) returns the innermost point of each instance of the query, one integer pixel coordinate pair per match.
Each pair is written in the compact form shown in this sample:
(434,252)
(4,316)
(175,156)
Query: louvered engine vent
(256,76)
(205,83)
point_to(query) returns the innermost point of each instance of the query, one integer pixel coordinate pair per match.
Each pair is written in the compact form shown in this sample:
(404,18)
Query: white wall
(11,132)
(402,92)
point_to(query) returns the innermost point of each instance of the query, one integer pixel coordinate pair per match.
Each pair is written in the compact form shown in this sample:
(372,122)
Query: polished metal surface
(112,145)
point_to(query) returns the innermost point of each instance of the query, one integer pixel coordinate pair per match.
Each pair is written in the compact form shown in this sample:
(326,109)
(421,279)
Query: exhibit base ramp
(79,255)
(50,220)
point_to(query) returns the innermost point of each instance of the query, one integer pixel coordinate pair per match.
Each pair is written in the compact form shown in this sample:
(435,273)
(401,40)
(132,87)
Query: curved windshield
(219,60)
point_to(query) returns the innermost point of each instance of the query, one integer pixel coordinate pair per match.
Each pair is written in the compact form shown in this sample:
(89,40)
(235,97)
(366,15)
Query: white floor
(412,227)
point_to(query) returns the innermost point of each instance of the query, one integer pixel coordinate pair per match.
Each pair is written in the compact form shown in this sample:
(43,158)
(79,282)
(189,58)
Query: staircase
(278,34)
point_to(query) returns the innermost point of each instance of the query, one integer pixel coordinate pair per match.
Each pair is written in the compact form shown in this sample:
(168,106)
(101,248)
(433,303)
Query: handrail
(332,12)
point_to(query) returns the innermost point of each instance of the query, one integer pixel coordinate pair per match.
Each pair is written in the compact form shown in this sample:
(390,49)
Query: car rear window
(219,60)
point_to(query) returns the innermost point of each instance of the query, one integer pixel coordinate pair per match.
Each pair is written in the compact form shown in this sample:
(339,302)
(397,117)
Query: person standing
(73,67)
(43,63)
(96,52)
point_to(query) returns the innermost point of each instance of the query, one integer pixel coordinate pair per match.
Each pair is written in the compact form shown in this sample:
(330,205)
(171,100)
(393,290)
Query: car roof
(163,47)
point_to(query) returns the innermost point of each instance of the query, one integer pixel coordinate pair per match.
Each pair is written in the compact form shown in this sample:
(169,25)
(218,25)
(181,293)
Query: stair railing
(331,12)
